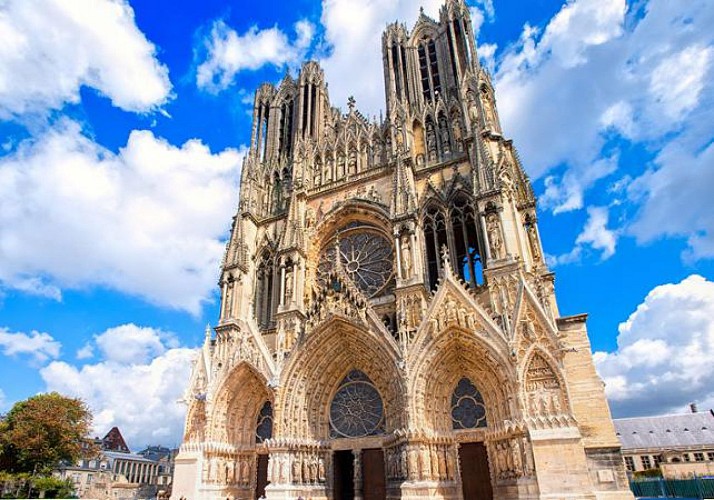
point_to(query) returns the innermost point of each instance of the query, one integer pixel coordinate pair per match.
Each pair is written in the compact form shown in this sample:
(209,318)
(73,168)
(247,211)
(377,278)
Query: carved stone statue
(406,257)
(495,238)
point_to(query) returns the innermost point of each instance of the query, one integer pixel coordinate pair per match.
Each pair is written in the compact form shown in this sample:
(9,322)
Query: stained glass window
(467,408)
(264,428)
(366,255)
(356,409)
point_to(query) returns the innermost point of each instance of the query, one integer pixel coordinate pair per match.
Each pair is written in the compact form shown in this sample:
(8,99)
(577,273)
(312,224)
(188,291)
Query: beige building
(388,324)
(679,445)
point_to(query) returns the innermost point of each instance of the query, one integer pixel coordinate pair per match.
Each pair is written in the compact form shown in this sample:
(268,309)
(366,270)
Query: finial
(351,103)
(421,10)
(208,331)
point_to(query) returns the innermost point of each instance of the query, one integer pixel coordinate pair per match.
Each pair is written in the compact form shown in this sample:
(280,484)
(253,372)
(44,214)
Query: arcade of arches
(388,325)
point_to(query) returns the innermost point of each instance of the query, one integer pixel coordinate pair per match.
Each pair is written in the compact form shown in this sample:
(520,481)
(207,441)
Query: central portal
(475,475)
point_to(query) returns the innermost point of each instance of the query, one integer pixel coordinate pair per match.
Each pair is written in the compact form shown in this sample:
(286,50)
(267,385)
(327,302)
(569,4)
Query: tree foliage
(42,431)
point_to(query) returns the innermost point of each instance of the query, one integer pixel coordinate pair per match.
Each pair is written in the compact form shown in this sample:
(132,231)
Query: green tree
(40,432)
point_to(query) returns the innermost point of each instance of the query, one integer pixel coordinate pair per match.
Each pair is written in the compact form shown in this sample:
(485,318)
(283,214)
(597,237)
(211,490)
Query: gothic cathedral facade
(388,324)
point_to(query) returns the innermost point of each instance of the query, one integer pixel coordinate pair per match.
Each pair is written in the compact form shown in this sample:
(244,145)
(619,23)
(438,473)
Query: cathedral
(388,323)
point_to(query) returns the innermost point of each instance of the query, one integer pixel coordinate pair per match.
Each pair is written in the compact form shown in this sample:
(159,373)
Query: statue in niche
(245,472)
(313,471)
(288,285)
(399,136)
(495,238)
(318,175)
(430,141)
(229,298)
(296,471)
(327,178)
(340,166)
(488,109)
(406,257)
(458,139)
(352,163)
(445,139)
(473,109)
(321,470)
(533,239)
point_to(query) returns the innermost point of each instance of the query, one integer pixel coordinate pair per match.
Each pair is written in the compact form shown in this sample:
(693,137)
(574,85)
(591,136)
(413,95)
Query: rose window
(356,409)
(366,256)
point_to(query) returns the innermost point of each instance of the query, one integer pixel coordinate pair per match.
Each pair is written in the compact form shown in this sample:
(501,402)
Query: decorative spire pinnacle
(447,270)
(351,103)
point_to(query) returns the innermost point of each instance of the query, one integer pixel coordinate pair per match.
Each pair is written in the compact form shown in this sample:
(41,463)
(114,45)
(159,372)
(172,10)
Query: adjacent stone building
(388,324)
(679,445)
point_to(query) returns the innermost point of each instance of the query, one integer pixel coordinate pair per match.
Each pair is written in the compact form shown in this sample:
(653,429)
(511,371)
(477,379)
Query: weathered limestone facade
(388,323)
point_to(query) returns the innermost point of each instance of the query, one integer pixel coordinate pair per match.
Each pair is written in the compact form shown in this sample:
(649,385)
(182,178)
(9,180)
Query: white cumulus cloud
(664,352)
(38,346)
(228,53)
(133,388)
(149,221)
(598,70)
(51,48)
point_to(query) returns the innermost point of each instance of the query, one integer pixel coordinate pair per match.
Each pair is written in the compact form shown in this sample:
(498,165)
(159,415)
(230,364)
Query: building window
(686,457)
(710,456)
(699,457)
(264,428)
(646,463)
(467,407)
(265,297)
(630,464)
(356,409)
(429,70)
(459,233)
(657,459)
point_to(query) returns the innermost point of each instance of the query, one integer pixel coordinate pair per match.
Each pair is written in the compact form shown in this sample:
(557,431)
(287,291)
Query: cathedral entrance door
(475,476)
(344,485)
(374,483)
(262,480)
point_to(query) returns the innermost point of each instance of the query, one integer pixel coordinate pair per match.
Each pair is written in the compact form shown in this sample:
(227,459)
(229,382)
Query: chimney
(693,407)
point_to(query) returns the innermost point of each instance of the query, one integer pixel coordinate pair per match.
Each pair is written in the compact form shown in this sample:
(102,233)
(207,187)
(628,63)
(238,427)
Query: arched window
(459,233)
(264,132)
(264,425)
(429,70)
(435,238)
(356,409)
(468,410)
(286,129)
(265,299)
(466,254)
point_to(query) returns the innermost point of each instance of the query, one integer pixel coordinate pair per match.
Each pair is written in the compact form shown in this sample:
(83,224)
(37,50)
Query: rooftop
(666,431)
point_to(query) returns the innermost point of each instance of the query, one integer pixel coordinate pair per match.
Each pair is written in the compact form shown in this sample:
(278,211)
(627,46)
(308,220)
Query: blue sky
(123,125)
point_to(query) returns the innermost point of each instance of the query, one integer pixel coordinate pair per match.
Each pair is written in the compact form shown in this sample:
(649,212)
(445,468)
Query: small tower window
(265,300)
(429,70)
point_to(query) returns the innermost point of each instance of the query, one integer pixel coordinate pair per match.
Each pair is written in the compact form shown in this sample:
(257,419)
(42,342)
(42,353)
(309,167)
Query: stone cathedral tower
(388,324)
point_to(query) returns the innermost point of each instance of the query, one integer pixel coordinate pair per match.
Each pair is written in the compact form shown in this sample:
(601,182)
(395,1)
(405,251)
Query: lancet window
(286,129)
(468,410)
(264,116)
(459,233)
(264,425)
(265,295)
(429,70)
